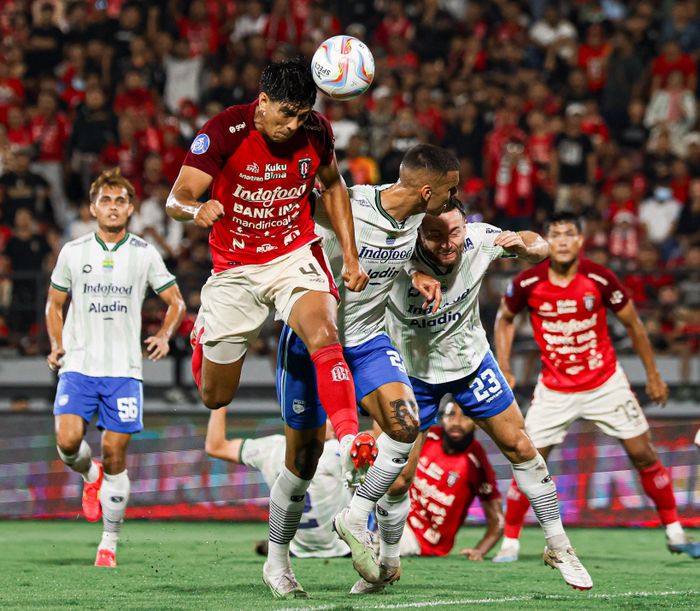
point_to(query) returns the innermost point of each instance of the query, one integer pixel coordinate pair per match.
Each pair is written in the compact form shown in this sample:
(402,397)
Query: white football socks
(114,496)
(536,484)
(81,462)
(286,507)
(391,459)
(392,512)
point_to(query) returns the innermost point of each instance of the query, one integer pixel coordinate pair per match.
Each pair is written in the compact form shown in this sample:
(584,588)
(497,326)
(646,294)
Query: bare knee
(644,458)
(404,420)
(214,398)
(68,439)
(324,334)
(519,448)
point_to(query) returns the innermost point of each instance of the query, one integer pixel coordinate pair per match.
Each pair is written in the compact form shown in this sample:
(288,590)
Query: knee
(644,459)
(404,419)
(519,448)
(68,441)
(306,459)
(215,398)
(324,334)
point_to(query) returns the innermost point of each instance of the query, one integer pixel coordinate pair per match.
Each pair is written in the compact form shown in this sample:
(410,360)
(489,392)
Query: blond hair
(111,178)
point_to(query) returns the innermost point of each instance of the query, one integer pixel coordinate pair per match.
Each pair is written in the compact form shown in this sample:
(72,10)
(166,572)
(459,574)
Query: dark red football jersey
(263,186)
(570,323)
(443,490)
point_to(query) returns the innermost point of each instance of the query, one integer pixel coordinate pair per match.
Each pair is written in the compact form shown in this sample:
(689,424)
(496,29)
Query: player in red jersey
(567,297)
(259,162)
(453,470)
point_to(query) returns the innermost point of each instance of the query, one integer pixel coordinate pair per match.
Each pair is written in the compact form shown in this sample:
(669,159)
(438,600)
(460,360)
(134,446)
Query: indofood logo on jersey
(385,254)
(267,197)
(107,289)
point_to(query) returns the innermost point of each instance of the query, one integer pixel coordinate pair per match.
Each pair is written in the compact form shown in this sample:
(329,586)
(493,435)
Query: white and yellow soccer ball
(343,67)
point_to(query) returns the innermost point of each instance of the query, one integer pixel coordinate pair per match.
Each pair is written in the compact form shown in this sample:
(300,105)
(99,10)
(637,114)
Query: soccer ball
(343,67)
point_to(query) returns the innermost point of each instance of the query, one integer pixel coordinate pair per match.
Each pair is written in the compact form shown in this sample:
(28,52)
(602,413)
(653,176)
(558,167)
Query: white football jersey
(107,285)
(451,343)
(384,247)
(325,497)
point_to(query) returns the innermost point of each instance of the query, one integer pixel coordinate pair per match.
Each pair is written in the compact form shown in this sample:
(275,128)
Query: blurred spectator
(689,219)
(672,108)
(182,72)
(395,24)
(623,243)
(358,168)
(251,20)
(405,133)
(593,57)
(682,26)
(83,224)
(50,133)
(659,214)
(26,250)
(43,48)
(553,34)
(673,59)
(574,160)
(643,285)
(625,70)
(514,195)
(22,188)
(434,28)
(344,128)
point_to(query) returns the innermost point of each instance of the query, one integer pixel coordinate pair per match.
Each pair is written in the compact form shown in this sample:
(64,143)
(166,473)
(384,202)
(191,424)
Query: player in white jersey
(386,225)
(326,495)
(97,352)
(446,351)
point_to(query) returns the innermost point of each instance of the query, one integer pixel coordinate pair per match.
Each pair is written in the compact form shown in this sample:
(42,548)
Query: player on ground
(326,495)
(567,298)
(386,225)
(447,352)
(97,352)
(260,161)
(453,469)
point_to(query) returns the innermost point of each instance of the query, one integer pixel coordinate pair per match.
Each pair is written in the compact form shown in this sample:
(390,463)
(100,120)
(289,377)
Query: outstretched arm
(216,445)
(527,245)
(182,203)
(494,530)
(337,205)
(656,388)
(504,333)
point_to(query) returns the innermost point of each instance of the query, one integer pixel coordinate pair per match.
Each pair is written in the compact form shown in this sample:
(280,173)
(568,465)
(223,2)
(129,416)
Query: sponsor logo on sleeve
(200,144)
(616,297)
(236,128)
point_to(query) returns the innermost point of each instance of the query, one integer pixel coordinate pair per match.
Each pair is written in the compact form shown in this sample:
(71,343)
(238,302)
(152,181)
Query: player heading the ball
(259,161)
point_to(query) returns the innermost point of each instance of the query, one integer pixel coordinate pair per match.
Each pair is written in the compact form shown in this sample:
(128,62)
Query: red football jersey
(570,323)
(263,186)
(443,489)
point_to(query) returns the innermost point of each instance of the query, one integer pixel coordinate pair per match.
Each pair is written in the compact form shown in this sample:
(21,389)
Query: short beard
(458,446)
(114,229)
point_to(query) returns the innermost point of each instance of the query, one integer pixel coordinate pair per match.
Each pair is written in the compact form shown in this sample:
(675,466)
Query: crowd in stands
(586,105)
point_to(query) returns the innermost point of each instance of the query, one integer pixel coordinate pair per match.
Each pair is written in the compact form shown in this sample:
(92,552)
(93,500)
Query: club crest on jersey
(305,167)
(452,478)
(589,302)
(108,264)
(200,144)
(390,239)
(298,406)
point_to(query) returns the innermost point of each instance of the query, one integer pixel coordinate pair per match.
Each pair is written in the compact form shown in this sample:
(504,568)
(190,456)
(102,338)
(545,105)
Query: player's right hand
(354,276)
(657,389)
(429,287)
(208,213)
(54,360)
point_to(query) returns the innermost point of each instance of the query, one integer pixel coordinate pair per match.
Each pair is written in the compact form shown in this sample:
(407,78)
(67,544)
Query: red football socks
(336,389)
(656,482)
(517,505)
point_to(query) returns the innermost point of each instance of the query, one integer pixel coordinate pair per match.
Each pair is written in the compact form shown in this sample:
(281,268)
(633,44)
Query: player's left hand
(429,287)
(354,276)
(471,554)
(157,347)
(657,389)
(511,242)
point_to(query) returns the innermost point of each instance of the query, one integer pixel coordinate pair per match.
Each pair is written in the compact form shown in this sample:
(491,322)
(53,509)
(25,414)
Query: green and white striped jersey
(384,247)
(107,283)
(451,343)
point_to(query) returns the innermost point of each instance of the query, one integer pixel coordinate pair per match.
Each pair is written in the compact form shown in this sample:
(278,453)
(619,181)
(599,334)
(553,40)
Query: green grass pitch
(204,566)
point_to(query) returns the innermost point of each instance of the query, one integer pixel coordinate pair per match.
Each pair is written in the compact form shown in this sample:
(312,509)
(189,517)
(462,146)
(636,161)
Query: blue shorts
(118,401)
(372,364)
(482,394)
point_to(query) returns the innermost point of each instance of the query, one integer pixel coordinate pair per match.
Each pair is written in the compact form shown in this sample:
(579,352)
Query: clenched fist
(208,213)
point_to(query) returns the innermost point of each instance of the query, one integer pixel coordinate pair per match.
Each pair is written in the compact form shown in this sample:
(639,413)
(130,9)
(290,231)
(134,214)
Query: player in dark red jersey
(567,298)
(259,162)
(453,470)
